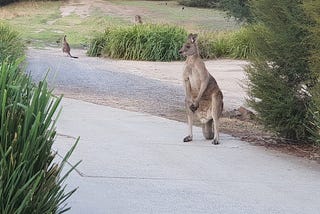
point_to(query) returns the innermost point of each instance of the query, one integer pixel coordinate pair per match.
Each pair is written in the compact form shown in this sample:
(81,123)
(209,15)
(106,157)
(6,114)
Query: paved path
(152,87)
(137,163)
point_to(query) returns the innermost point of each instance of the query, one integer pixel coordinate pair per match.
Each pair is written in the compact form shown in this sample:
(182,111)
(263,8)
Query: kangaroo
(66,47)
(138,19)
(203,95)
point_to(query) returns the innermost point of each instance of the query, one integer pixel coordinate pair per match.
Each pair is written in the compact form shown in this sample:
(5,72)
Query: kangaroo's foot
(187,139)
(215,141)
(194,107)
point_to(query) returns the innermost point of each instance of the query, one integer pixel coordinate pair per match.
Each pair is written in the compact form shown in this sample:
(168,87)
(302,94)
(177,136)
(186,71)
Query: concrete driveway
(137,163)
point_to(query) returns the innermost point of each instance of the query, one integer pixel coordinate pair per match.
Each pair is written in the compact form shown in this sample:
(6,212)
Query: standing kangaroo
(66,47)
(203,95)
(138,19)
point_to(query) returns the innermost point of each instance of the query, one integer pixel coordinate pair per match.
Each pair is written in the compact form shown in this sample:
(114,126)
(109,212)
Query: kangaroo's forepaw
(215,142)
(193,107)
(187,139)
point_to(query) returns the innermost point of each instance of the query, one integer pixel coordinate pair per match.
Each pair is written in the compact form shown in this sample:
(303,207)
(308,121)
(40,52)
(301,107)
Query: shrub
(140,42)
(11,46)
(280,77)
(312,9)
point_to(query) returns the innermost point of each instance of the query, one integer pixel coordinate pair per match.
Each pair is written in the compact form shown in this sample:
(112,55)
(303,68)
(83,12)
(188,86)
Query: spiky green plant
(30,181)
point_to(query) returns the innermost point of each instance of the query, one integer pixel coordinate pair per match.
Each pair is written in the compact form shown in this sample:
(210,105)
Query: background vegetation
(232,44)
(200,3)
(5,2)
(162,43)
(49,24)
(30,181)
(238,9)
(11,46)
(140,42)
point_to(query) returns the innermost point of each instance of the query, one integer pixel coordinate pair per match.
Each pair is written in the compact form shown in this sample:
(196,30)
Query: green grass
(44,25)
(193,19)
(41,24)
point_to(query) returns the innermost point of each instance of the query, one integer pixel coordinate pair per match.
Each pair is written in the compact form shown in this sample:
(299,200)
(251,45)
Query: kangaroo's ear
(192,37)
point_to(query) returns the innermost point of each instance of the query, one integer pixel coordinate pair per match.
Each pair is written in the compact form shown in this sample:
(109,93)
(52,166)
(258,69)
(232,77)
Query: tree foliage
(237,8)
(200,3)
(5,2)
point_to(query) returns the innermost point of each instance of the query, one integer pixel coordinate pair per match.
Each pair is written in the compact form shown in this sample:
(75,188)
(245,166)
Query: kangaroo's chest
(195,82)
(194,79)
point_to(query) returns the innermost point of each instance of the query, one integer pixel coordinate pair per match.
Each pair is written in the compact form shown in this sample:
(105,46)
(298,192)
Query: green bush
(312,9)
(280,77)
(140,42)
(30,182)
(11,46)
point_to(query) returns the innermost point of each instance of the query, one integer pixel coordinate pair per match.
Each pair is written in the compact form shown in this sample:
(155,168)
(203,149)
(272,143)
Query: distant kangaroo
(203,95)
(66,47)
(138,19)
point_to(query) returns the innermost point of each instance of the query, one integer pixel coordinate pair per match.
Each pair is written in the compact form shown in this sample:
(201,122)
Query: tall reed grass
(140,42)
(162,43)
(234,44)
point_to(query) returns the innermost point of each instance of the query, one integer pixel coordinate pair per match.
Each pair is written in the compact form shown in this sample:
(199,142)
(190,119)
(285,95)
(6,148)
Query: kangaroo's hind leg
(217,106)
(190,116)
(207,130)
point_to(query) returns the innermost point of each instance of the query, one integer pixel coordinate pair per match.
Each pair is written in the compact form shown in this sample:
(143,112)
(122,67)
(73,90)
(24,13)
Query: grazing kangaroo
(66,47)
(138,19)
(203,95)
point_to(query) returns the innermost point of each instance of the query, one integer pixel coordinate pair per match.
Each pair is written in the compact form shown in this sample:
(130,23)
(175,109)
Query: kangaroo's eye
(188,46)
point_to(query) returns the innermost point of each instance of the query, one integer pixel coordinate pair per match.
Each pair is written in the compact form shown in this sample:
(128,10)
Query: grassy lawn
(193,19)
(42,24)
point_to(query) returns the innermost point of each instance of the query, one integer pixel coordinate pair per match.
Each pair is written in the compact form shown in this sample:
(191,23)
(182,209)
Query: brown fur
(204,98)
(138,19)
(66,47)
